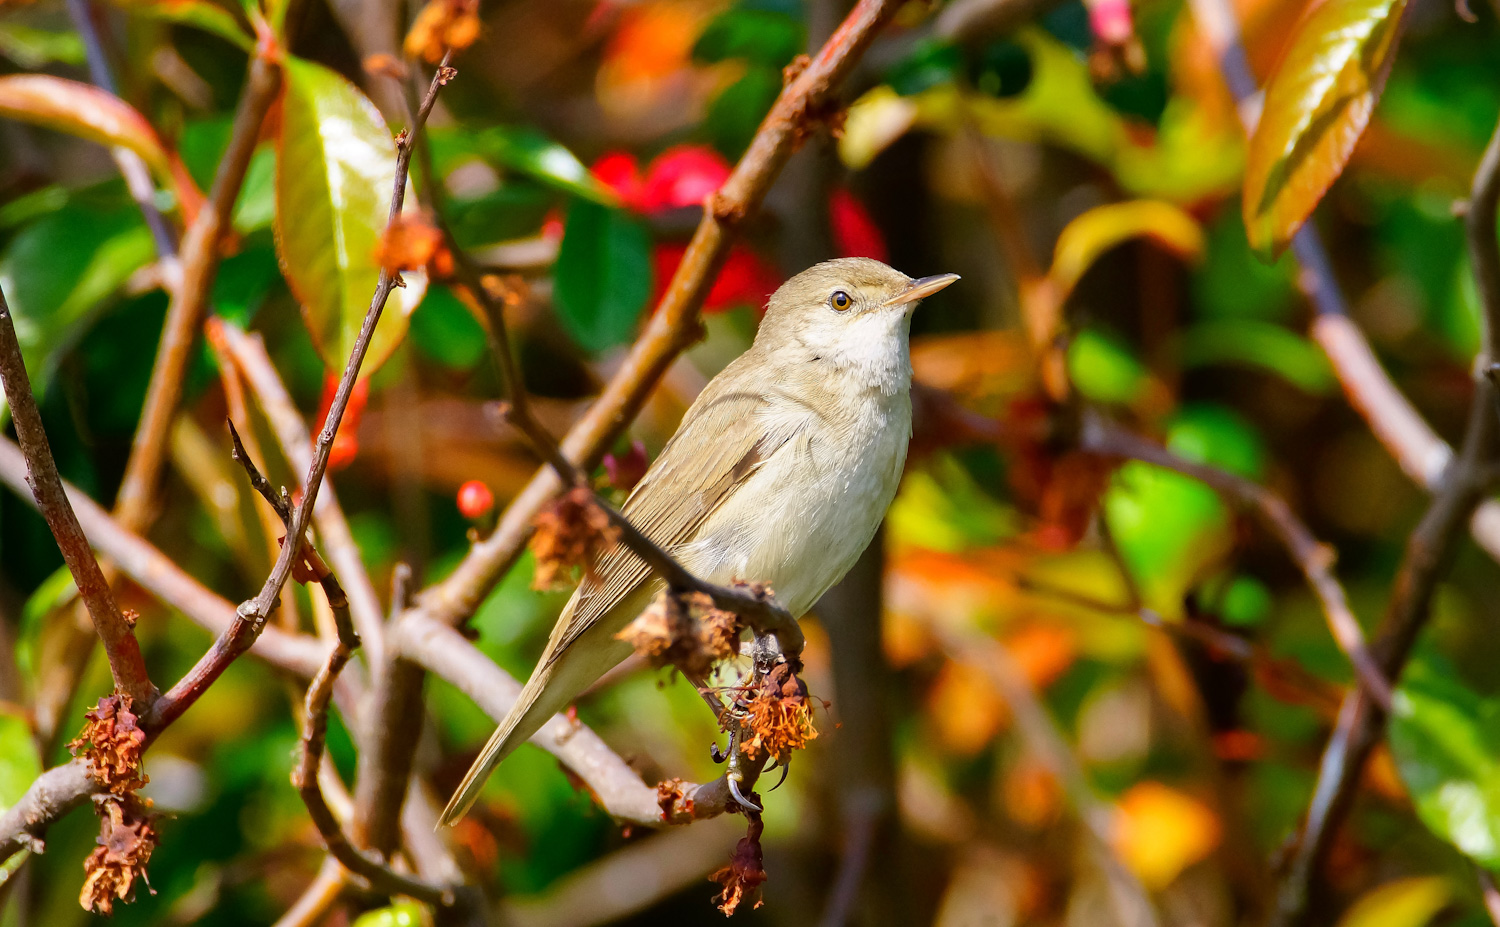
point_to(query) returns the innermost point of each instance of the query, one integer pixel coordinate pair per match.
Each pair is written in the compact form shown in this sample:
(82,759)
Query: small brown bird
(780,473)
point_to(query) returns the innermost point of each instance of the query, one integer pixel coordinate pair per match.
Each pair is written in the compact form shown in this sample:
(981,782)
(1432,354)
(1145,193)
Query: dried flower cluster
(571,532)
(127,836)
(779,715)
(685,630)
(673,799)
(412,242)
(443,24)
(112,743)
(745,873)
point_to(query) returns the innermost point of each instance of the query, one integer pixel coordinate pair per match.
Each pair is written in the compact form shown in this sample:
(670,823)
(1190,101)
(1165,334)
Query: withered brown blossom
(443,24)
(779,715)
(411,242)
(673,799)
(745,873)
(684,630)
(112,743)
(570,532)
(127,836)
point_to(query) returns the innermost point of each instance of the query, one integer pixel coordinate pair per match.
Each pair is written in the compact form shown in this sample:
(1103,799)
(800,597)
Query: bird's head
(850,312)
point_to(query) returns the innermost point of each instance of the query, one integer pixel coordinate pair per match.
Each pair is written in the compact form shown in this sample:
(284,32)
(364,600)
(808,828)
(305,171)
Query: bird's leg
(734,775)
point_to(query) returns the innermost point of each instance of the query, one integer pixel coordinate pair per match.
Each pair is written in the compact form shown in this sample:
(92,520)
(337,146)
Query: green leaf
(1446,741)
(1104,370)
(198,13)
(405,914)
(735,114)
(445,330)
(1409,902)
(1316,106)
(931,63)
(531,153)
(335,167)
(59,269)
(55,591)
(763,37)
(19,762)
(33,48)
(1259,344)
(603,275)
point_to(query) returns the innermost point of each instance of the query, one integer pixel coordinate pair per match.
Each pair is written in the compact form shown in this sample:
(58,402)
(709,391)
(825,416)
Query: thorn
(784,768)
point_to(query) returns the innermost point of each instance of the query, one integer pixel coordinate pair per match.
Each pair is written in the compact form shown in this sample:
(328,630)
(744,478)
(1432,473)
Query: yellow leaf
(1402,903)
(1160,831)
(1090,235)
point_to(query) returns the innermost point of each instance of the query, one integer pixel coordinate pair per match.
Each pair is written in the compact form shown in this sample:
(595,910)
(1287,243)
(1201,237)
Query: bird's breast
(803,517)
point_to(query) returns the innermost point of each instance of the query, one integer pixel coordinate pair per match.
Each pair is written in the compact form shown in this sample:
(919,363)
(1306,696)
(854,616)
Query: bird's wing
(721,440)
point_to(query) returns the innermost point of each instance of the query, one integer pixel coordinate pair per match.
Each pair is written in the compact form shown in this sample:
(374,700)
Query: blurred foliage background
(572,158)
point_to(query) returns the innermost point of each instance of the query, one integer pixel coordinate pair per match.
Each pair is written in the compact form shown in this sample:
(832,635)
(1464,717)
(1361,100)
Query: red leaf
(854,231)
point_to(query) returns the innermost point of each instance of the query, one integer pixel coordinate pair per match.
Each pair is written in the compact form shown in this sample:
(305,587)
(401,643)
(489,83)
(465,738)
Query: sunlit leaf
(1104,370)
(405,914)
(336,165)
(53,592)
(1160,831)
(59,269)
(19,762)
(533,153)
(1316,106)
(33,48)
(1403,903)
(83,110)
(760,36)
(1446,740)
(1104,227)
(1259,344)
(603,275)
(198,13)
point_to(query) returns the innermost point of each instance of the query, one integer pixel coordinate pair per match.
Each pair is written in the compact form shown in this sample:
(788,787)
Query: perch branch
(803,102)
(444,652)
(125,661)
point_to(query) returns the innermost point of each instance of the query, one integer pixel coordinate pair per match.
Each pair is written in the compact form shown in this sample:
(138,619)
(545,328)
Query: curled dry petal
(571,532)
(746,871)
(112,743)
(127,836)
(684,630)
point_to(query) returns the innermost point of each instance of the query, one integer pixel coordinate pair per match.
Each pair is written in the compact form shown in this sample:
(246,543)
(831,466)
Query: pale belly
(802,519)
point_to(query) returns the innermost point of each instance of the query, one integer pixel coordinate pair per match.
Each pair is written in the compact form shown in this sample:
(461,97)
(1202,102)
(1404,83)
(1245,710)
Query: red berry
(683,176)
(346,439)
(475,500)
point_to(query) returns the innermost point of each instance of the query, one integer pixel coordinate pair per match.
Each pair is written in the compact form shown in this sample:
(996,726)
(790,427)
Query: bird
(780,473)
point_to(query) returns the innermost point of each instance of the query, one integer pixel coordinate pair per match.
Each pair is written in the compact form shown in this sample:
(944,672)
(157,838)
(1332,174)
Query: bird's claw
(734,789)
(785,767)
(718,755)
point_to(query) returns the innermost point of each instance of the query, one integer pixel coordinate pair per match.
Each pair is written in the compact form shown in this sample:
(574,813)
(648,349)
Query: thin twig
(125,661)
(248,353)
(305,778)
(258,609)
(159,575)
(803,102)
(325,890)
(1313,558)
(200,264)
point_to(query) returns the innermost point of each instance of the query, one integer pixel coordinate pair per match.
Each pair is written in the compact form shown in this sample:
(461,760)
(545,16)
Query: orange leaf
(1160,831)
(1317,105)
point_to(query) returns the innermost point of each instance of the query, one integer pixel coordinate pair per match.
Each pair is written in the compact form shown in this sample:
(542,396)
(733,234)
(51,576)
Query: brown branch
(200,263)
(248,353)
(155,572)
(1313,558)
(803,102)
(125,661)
(1428,550)
(367,866)
(325,890)
(258,609)
(618,788)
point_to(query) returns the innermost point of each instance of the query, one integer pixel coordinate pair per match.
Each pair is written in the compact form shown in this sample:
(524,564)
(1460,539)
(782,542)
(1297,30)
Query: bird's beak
(921,289)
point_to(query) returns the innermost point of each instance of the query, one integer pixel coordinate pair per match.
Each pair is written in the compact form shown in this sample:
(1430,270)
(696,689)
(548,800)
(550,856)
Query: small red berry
(475,500)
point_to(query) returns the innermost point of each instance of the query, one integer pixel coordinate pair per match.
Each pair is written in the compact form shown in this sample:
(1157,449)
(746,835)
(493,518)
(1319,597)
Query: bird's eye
(840,300)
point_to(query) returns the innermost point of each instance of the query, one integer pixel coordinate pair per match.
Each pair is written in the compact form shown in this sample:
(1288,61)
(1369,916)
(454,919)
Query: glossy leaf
(1259,344)
(1446,740)
(336,164)
(198,13)
(83,110)
(1316,107)
(1102,228)
(527,151)
(34,48)
(760,36)
(603,275)
(19,762)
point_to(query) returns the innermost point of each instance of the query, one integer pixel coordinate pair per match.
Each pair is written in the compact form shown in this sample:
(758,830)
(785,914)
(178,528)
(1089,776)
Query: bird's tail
(558,680)
(526,716)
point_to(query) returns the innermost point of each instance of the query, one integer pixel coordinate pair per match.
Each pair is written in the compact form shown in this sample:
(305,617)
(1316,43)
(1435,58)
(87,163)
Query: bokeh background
(1018,148)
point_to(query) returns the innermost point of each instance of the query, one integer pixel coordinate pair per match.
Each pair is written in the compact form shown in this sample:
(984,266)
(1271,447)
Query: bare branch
(675,324)
(200,264)
(305,778)
(125,661)
(1313,558)
(53,794)
(248,354)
